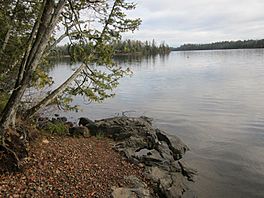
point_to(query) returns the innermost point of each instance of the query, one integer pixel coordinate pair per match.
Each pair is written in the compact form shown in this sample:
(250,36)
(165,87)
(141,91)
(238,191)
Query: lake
(212,100)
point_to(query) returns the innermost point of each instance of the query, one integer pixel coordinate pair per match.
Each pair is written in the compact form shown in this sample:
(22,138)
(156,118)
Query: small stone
(141,165)
(45,141)
(39,189)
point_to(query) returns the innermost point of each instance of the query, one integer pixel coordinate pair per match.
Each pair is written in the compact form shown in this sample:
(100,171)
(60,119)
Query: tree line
(246,44)
(139,47)
(120,47)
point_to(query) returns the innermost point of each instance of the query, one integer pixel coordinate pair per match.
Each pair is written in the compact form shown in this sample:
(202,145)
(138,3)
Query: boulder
(176,146)
(85,121)
(89,124)
(69,124)
(79,131)
(136,190)
(42,122)
(160,153)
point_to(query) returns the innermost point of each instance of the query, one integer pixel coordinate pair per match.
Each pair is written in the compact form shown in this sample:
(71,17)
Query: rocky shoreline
(158,153)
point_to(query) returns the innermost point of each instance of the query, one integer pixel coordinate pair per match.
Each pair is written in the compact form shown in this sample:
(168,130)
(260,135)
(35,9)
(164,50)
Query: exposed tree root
(13,148)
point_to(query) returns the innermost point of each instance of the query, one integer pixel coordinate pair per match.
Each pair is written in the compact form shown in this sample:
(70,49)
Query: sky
(198,21)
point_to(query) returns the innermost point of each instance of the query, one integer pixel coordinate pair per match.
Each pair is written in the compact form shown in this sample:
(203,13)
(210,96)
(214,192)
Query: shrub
(58,128)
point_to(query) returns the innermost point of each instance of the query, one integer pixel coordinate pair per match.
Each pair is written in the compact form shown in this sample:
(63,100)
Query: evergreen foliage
(139,47)
(90,39)
(29,31)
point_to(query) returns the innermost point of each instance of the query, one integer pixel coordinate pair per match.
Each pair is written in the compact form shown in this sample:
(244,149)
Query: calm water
(212,100)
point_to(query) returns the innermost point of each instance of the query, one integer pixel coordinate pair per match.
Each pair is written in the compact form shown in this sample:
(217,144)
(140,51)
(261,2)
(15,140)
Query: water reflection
(139,60)
(213,100)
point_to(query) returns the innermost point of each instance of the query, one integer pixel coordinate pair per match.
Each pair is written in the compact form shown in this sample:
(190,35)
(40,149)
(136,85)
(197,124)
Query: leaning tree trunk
(48,21)
(55,93)
(31,112)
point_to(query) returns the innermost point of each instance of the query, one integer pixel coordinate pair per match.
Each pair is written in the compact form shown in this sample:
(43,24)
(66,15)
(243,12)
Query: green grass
(58,128)
(99,135)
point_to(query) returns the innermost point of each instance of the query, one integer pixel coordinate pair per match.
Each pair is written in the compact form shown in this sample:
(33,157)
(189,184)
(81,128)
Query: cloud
(199,21)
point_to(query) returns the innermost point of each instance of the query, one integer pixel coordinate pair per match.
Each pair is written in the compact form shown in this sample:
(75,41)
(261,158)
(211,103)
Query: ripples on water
(213,100)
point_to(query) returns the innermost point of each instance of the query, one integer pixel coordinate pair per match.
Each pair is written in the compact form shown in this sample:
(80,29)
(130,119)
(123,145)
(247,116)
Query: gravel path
(68,167)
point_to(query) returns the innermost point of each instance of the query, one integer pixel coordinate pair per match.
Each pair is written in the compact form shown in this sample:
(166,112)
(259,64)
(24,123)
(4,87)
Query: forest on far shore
(246,44)
(121,47)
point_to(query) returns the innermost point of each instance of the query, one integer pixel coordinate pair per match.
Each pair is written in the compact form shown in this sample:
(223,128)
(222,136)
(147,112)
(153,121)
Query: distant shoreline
(222,45)
(176,50)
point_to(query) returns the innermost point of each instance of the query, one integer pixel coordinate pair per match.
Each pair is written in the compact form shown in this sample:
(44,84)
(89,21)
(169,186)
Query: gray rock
(54,120)
(69,124)
(149,157)
(123,193)
(85,121)
(187,170)
(139,142)
(176,146)
(62,119)
(167,183)
(138,189)
(89,124)
(42,122)
(43,119)
(79,131)
(59,120)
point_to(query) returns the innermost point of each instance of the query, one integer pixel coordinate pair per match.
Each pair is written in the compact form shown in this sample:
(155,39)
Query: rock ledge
(160,154)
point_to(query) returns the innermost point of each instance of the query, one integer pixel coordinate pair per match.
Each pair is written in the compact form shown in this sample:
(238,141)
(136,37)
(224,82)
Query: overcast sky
(199,21)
